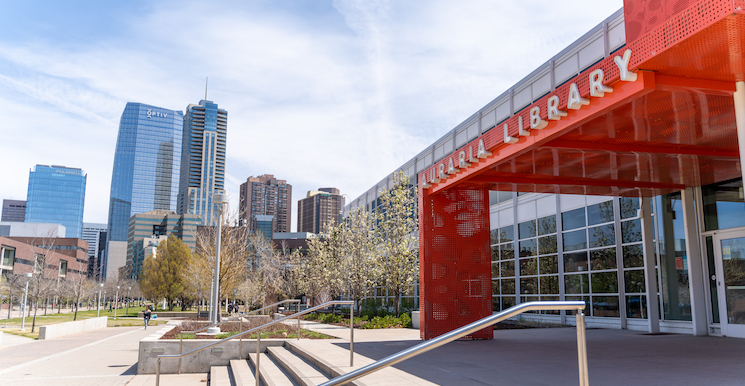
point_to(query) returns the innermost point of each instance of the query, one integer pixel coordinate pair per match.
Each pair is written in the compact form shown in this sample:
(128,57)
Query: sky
(319,93)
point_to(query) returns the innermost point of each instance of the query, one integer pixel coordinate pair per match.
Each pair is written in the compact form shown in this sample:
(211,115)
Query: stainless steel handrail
(240,317)
(258,340)
(476,326)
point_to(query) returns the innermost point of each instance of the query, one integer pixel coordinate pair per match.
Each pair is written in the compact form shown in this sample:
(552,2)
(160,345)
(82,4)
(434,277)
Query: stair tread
(196,379)
(270,373)
(339,358)
(302,372)
(242,373)
(219,376)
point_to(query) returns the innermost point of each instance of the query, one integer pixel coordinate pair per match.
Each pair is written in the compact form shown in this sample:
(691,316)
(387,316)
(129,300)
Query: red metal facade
(455,260)
(672,128)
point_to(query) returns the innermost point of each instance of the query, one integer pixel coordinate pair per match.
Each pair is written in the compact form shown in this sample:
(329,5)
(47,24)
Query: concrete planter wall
(199,362)
(415,319)
(69,328)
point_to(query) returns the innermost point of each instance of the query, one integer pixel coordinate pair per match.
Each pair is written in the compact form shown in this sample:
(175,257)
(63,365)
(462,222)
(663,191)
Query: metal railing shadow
(421,348)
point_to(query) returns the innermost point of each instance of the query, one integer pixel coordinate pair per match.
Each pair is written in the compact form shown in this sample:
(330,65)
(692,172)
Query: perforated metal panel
(455,270)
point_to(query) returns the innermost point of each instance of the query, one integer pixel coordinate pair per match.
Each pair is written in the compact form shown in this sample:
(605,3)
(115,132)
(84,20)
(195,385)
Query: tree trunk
(10,303)
(75,317)
(397,302)
(33,324)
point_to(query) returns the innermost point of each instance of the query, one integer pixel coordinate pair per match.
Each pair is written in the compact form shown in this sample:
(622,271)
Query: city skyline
(375,77)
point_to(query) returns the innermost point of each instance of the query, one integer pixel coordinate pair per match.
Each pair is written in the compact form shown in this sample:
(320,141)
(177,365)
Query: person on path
(146,314)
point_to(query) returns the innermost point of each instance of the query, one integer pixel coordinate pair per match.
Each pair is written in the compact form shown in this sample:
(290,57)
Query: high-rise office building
(146,172)
(14,210)
(202,159)
(146,230)
(146,165)
(92,234)
(319,210)
(266,195)
(56,194)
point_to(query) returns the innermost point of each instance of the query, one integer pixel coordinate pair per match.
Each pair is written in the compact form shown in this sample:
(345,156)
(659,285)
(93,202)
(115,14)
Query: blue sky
(320,93)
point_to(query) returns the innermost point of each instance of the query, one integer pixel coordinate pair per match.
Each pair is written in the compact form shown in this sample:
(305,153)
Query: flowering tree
(353,250)
(397,234)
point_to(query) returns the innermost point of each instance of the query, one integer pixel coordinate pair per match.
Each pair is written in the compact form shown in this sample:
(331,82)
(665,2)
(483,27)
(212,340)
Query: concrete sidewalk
(101,357)
(548,356)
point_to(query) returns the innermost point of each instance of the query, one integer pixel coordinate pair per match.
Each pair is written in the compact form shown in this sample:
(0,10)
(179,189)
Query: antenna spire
(206,83)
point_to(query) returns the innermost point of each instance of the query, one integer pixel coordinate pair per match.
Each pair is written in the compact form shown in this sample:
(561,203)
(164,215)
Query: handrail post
(258,356)
(240,342)
(180,350)
(157,373)
(582,349)
(351,337)
(298,328)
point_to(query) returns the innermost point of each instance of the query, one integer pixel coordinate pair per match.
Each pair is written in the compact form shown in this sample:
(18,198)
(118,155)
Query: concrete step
(326,367)
(219,376)
(338,358)
(269,373)
(196,379)
(242,373)
(301,371)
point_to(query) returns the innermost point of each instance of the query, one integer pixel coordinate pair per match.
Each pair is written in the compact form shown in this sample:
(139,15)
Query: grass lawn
(130,319)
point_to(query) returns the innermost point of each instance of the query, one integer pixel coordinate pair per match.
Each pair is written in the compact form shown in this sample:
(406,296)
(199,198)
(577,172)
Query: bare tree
(234,252)
(78,287)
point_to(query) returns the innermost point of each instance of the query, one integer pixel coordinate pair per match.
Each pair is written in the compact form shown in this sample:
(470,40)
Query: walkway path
(102,357)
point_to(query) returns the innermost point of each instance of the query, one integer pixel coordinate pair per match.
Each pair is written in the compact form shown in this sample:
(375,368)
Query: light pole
(219,199)
(126,313)
(25,299)
(98,307)
(116,301)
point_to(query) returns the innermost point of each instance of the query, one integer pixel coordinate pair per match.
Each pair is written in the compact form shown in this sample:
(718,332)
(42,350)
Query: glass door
(729,249)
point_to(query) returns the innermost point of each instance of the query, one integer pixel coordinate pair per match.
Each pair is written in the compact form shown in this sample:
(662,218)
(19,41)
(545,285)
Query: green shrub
(389,321)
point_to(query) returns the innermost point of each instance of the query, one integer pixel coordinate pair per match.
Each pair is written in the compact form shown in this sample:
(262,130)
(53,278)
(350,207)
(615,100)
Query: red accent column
(454,260)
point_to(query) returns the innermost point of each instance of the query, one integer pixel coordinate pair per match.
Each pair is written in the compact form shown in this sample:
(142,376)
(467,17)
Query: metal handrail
(476,326)
(258,337)
(240,346)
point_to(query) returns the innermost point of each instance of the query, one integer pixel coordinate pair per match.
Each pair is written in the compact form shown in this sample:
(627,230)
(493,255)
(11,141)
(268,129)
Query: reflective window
(600,213)
(724,205)
(629,207)
(528,248)
(574,240)
(547,225)
(573,219)
(527,229)
(602,236)
(631,231)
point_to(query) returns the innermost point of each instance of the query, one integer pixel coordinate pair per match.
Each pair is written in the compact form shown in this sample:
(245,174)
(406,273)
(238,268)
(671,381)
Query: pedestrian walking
(146,314)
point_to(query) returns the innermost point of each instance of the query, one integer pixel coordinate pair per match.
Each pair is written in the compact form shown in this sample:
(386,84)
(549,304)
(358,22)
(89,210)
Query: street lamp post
(116,301)
(220,199)
(98,307)
(126,313)
(25,299)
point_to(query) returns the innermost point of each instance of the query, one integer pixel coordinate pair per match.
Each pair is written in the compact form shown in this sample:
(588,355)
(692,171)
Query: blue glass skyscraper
(56,194)
(146,165)
(202,159)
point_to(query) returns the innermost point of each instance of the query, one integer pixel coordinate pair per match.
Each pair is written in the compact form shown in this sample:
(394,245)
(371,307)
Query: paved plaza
(514,357)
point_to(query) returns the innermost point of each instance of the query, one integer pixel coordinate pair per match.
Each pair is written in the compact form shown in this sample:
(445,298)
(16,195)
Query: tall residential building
(146,172)
(202,159)
(319,210)
(92,234)
(56,194)
(14,210)
(266,195)
(146,230)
